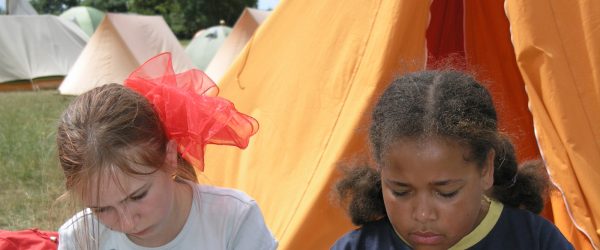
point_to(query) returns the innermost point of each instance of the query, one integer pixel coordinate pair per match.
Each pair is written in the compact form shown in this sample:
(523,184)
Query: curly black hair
(449,104)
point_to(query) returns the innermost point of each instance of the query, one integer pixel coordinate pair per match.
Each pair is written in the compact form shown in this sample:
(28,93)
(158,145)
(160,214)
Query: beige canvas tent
(19,7)
(33,46)
(121,43)
(242,31)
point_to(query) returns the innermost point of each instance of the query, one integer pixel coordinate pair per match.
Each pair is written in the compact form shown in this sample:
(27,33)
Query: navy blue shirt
(515,229)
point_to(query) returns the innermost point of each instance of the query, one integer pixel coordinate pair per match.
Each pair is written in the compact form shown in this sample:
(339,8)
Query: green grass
(30,177)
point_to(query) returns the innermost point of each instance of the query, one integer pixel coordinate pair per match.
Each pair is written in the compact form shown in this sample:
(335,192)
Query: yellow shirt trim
(483,229)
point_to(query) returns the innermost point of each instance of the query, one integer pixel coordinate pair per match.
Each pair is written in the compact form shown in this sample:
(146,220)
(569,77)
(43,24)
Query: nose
(127,221)
(424,210)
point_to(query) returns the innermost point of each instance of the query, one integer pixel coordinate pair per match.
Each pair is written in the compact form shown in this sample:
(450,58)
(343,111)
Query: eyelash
(448,195)
(100,210)
(134,198)
(444,195)
(400,194)
(139,197)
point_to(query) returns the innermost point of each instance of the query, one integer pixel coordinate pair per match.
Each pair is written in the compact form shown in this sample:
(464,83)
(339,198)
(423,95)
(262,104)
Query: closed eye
(99,210)
(140,196)
(448,195)
(400,194)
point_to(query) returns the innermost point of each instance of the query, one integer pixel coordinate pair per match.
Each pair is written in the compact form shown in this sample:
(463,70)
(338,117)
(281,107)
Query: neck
(485,207)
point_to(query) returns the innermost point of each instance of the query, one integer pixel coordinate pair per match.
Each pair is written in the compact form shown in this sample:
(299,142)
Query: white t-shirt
(220,218)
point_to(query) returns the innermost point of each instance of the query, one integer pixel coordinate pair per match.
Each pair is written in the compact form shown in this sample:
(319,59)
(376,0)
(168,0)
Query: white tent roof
(19,7)
(121,43)
(205,44)
(242,31)
(37,46)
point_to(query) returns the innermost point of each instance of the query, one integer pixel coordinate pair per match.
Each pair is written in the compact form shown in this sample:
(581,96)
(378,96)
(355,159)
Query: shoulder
(221,201)
(80,221)
(378,234)
(76,230)
(230,195)
(524,227)
(236,214)
(521,219)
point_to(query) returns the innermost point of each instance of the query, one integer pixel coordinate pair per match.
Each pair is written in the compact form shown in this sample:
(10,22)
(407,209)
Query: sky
(262,4)
(267,4)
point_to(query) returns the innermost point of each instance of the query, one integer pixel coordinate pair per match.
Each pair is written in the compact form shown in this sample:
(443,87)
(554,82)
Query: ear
(487,172)
(171,156)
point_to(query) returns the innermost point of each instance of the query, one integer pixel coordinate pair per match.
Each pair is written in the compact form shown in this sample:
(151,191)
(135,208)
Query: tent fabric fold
(309,81)
(558,54)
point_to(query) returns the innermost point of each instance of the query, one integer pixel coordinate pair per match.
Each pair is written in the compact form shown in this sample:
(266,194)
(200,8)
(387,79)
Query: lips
(425,238)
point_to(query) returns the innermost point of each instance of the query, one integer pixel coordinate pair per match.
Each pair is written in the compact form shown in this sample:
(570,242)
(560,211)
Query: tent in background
(87,18)
(205,44)
(121,43)
(33,46)
(241,32)
(19,7)
(308,76)
(320,79)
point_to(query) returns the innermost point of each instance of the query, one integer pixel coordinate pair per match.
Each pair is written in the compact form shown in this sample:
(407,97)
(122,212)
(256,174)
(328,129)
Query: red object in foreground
(28,239)
(189,108)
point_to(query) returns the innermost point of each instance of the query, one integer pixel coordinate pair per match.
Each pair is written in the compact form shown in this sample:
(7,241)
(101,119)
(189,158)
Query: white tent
(242,31)
(19,7)
(121,43)
(37,46)
(86,17)
(205,44)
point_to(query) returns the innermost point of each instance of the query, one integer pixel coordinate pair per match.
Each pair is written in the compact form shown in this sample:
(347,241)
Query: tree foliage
(55,7)
(185,17)
(107,5)
(188,16)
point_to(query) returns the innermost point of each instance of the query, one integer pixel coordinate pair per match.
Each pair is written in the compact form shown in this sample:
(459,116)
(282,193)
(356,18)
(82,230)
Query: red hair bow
(189,108)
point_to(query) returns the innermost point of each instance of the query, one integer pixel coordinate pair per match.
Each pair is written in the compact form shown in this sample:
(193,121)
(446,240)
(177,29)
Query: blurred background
(185,17)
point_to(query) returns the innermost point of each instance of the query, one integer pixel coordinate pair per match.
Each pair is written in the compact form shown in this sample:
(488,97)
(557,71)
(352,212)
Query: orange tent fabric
(309,81)
(557,50)
(308,75)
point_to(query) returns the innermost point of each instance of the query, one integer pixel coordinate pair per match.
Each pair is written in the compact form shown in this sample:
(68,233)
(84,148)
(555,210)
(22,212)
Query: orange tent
(312,70)
(557,47)
(241,32)
(308,75)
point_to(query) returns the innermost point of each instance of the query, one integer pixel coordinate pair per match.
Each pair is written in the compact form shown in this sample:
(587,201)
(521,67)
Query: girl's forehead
(115,184)
(426,146)
(426,159)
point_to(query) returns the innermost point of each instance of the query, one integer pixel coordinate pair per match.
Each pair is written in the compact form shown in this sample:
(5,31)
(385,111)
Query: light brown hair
(111,127)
